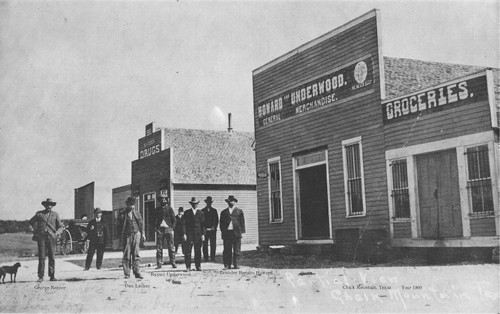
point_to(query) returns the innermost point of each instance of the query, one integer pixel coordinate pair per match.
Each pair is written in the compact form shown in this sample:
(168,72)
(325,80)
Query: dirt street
(430,289)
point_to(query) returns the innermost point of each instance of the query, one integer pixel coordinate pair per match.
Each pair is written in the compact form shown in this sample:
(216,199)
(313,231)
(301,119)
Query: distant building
(185,163)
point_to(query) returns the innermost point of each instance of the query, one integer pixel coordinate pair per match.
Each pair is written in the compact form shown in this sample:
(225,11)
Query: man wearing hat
(164,224)
(132,231)
(46,224)
(211,223)
(194,233)
(232,226)
(97,234)
(179,229)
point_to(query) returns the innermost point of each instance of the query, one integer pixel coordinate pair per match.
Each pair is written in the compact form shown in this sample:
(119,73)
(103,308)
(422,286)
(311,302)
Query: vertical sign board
(150,145)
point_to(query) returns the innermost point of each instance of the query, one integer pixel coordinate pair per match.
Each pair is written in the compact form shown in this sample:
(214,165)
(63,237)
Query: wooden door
(439,197)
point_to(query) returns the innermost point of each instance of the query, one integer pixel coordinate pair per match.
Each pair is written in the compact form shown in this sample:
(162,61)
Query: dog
(12,270)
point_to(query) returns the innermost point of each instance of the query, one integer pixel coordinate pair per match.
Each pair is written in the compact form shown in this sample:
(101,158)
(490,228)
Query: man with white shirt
(232,226)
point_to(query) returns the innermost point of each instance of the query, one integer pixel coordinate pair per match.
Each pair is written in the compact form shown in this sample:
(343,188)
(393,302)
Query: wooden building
(326,152)
(185,163)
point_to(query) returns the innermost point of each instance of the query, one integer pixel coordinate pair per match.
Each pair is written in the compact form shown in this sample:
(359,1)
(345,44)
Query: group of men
(194,227)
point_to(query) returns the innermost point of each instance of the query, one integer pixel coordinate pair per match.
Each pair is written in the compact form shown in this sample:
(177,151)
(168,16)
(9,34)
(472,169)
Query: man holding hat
(97,233)
(232,226)
(164,224)
(46,224)
(211,223)
(132,231)
(194,233)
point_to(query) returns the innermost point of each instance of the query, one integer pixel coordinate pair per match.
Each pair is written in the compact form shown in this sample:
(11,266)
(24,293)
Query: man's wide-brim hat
(209,200)
(130,200)
(231,198)
(193,201)
(97,211)
(49,201)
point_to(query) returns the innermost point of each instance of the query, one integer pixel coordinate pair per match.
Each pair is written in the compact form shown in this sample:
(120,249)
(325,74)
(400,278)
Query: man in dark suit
(232,226)
(165,225)
(194,233)
(179,229)
(97,234)
(211,223)
(46,225)
(132,231)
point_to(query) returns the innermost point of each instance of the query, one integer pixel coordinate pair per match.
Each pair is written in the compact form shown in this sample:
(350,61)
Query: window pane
(479,180)
(311,158)
(400,195)
(274,191)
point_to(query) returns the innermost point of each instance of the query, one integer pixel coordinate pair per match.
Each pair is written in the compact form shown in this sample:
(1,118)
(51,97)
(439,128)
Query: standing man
(132,230)
(179,229)
(97,233)
(211,223)
(48,226)
(232,226)
(165,223)
(194,233)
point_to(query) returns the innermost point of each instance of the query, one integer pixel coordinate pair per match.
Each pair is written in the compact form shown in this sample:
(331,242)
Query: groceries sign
(317,93)
(436,99)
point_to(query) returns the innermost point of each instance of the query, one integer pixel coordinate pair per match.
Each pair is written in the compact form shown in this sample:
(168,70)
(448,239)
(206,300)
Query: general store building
(337,124)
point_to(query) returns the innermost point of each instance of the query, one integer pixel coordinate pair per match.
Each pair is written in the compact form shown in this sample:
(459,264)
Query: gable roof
(211,157)
(405,76)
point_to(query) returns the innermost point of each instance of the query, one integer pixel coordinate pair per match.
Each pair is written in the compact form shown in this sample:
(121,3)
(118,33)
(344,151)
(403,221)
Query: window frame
(345,144)
(392,189)
(483,213)
(270,161)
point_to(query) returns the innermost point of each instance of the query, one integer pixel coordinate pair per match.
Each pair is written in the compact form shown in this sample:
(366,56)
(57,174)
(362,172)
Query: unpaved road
(431,289)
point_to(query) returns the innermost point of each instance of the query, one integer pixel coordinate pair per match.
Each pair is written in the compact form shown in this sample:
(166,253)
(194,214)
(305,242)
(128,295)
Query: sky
(79,81)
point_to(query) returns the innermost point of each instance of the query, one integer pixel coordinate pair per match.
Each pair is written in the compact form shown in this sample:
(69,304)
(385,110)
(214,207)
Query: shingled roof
(211,157)
(405,76)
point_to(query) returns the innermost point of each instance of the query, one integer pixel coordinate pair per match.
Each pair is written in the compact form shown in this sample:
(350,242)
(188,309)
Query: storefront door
(149,216)
(314,202)
(439,198)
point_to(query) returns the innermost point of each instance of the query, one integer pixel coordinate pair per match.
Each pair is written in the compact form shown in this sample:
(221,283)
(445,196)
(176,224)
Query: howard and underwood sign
(436,99)
(317,93)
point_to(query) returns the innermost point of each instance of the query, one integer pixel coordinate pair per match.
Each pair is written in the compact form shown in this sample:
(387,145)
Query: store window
(275,203)
(400,194)
(353,177)
(479,180)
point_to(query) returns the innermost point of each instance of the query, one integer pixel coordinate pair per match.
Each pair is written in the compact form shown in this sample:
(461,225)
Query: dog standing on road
(12,270)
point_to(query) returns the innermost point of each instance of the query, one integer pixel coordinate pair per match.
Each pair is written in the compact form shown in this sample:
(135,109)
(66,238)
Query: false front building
(326,154)
(186,163)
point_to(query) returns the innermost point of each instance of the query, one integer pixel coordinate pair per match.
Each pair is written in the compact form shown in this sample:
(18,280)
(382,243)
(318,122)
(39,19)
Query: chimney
(229,128)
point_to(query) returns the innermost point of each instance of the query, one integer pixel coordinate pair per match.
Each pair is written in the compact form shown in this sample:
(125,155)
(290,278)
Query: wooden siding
(325,126)
(482,227)
(402,230)
(84,201)
(470,118)
(120,196)
(247,201)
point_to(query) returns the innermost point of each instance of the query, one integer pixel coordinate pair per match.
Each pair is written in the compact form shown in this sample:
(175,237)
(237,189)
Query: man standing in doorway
(194,233)
(97,235)
(179,229)
(46,225)
(211,223)
(132,231)
(232,226)
(165,224)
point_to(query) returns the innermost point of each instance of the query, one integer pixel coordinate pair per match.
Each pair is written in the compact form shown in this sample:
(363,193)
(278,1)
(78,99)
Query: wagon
(73,238)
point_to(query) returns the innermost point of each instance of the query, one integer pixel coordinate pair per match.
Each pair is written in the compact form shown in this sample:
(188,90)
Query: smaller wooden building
(185,163)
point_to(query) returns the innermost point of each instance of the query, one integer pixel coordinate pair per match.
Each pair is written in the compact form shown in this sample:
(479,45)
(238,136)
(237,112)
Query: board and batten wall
(357,115)
(246,196)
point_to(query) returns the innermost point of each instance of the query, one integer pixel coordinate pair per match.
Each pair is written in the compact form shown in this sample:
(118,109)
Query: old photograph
(250,157)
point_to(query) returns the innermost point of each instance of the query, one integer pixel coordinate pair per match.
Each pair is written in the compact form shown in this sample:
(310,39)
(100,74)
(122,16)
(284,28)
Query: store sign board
(437,99)
(327,89)
(150,145)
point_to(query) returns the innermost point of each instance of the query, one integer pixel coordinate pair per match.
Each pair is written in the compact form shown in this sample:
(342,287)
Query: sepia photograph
(258,156)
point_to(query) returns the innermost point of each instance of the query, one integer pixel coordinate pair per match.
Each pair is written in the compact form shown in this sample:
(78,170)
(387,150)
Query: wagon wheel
(66,242)
(85,246)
